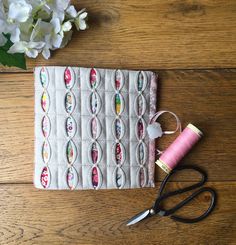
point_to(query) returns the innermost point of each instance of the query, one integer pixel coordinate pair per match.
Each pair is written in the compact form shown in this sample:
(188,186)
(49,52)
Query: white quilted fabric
(90,128)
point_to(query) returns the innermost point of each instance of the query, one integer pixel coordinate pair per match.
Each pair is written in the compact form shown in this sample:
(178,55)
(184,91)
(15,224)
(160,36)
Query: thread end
(195,129)
(163,166)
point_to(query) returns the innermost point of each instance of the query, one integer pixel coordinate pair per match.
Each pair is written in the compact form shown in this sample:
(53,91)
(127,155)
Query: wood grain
(152,34)
(204,97)
(191,44)
(29,216)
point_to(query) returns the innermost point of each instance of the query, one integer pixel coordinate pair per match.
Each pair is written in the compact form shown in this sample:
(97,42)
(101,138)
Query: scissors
(157,209)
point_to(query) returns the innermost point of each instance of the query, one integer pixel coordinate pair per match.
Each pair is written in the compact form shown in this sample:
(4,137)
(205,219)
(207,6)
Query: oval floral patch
(69,78)
(70,151)
(93,78)
(69,102)
(45,177)
(46,126)
(94,128)
(70,127)
(117,104)
(94,103)
(72,178)
(45,101)
(94,153)
(140,129)
(95,177)
(44,77)
(118,128)
(118,153)
(46,151)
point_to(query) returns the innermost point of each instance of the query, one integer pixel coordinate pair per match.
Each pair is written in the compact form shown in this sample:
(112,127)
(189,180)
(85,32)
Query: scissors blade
(141,216)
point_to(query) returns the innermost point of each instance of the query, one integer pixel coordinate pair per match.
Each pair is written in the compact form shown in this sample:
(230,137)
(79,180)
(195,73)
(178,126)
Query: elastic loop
(178,123)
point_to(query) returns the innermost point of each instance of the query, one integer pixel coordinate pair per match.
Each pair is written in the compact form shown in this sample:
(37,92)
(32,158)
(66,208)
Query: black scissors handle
(162,196)
(189,199)
(162,212)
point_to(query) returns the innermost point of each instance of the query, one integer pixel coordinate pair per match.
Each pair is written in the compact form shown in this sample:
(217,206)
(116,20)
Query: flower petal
(18,47)
(60,14)
(80,21)
(26,29)
(66,39)
(2,11)
(36,45)
(32,53)
(46,53)
(56,24)
(19,11)
(82,25)
(57,40)
(40,30)
(61,4)
(66,26)
(83,15)
(3,26)
(3,40)
(15,35)
(71,11)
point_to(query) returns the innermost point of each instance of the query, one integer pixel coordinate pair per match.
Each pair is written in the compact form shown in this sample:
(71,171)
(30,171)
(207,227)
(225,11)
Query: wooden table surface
(192,46)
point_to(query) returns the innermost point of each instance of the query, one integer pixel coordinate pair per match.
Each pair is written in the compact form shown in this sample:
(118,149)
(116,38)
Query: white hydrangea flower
(57,7)
(26,29)
(53,30)
(80,20)
(19,11)
(66,26)
(39,25)
(66,38)
(55,36)
(46,49)
(3,24)
(31,49)
(71,11)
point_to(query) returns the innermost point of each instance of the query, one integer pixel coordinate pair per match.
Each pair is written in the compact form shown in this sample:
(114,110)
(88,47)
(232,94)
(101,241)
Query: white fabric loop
(159,113)
(154,128)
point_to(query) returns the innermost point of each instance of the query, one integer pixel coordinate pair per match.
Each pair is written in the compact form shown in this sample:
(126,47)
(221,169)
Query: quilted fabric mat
(90,128)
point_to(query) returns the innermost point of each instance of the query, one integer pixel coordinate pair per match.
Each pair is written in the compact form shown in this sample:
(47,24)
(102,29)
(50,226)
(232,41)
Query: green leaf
(7,59)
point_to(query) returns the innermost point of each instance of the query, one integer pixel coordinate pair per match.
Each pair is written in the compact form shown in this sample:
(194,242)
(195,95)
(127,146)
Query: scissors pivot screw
(152,211)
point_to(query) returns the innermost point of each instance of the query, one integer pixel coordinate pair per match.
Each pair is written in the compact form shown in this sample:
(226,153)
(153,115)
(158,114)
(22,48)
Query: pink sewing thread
(179,148)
